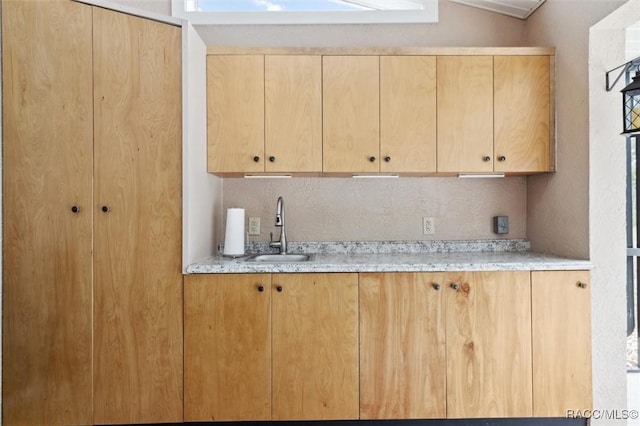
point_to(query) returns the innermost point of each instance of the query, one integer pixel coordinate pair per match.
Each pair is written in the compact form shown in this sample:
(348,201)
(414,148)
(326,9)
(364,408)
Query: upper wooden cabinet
(351,102)
(406,111)
(561,333)
(465,114)
(408,114)
(264,113)
(235,113)
(293,113)
(494,114)
(522,102)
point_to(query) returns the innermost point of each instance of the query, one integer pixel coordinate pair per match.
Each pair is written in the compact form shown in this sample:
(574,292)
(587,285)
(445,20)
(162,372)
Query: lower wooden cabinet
(386,345)
(227,346)
(436,345)
(561,316)
(488,335)
(283,347)
(402,347)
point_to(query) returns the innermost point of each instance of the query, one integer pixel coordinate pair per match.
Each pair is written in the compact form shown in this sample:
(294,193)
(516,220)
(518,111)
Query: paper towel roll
(234,234)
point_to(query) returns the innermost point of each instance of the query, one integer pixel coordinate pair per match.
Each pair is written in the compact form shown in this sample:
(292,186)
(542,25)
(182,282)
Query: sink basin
(280,258)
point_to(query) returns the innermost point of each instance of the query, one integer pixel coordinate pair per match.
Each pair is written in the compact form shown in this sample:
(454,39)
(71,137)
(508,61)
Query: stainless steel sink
(280,258)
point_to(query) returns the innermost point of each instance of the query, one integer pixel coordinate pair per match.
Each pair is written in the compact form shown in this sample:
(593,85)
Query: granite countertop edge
(401,261)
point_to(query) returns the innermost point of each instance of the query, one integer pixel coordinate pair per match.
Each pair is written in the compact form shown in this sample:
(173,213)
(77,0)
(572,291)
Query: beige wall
(345,209)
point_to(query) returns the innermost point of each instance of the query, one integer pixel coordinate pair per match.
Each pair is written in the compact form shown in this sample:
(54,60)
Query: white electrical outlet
(254,226)
(428,226)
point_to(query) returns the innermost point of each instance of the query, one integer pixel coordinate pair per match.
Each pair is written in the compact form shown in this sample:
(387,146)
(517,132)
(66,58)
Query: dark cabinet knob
(502,158)
(75,209)
(260,288)
(455,286)
(387,159)
(279,288)
(436,286)
(372,159)
(256,159)
(486,158)
(105,209)
(272,158)
(582,285)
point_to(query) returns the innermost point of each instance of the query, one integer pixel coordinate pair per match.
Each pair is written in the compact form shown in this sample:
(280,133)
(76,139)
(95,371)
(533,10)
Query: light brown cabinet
(351,124)
(454,345)
(522,102)
(379,114)
(488,340)
(227,347)
(92,240)
(494,114)
(402,346)
(561,309)
(444,111)
(465,114)
(264,113)
(307,368)
(47,170)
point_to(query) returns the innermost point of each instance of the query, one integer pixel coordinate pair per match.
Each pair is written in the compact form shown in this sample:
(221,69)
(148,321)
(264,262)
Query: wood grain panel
(402,347)
(293,113)
(227,339)
(315,346)
(522,102)
(47,169)
(137,246)
(235,113)
(561,316)
(488,333)
(408,114)
(465,113)
(351,100)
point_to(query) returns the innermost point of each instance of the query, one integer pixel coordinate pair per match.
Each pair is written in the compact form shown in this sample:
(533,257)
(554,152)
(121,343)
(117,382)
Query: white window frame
(427,15)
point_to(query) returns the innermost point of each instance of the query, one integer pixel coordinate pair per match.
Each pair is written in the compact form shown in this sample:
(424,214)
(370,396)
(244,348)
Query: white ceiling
(517,8)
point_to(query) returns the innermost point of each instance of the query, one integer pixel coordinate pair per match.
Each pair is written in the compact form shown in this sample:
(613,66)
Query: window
(228,12)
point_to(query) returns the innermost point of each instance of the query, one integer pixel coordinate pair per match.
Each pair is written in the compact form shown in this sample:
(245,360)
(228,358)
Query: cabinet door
(315,346)
(227,347)
(137,242)
(465,113)
(522,102)
(47,169)
(235,113)
(561,310)
(293,113)
(488,333)
(402,347)
(408,114)
(351,101)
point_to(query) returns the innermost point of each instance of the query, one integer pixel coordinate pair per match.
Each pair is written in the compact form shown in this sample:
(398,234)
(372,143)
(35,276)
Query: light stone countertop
(472,256)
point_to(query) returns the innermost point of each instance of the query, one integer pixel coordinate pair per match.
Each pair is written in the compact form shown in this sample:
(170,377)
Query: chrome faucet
(282,244)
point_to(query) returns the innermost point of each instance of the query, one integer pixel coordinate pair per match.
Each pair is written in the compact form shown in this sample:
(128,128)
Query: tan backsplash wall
(345,209)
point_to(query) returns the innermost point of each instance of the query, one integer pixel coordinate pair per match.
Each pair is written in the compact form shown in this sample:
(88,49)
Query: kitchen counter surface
(422,261)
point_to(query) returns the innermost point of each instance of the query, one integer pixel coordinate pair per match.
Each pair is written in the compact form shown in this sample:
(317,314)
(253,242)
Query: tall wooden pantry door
(47,168)
(137,245)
